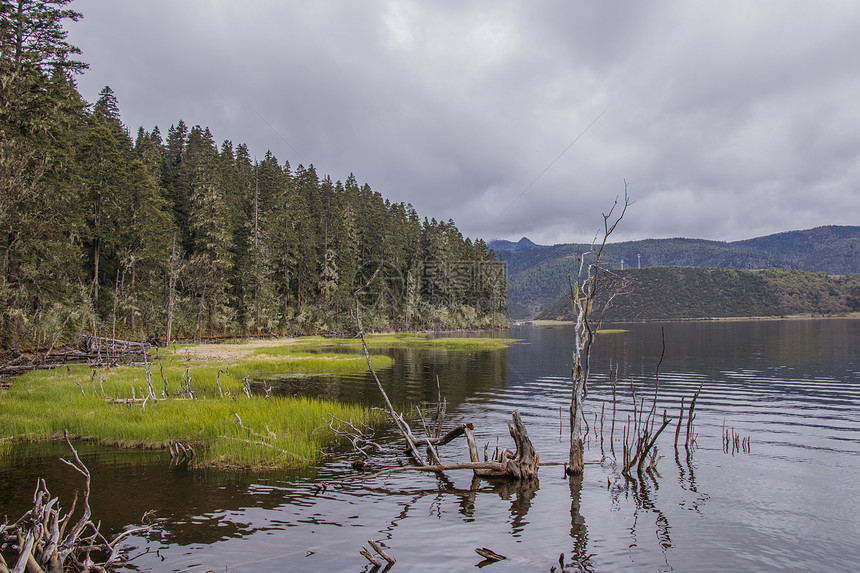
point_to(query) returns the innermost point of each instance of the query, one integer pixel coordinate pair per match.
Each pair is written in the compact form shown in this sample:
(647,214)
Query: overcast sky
(729,120)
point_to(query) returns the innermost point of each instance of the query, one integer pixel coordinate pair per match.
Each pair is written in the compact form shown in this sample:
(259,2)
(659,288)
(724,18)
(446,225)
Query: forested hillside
(688,292)
(538,274)
(174,235)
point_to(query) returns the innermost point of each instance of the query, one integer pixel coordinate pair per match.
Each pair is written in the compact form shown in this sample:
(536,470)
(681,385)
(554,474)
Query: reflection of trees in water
(643,490)
(643,493)
(191,506)
(411,379)
(523,492)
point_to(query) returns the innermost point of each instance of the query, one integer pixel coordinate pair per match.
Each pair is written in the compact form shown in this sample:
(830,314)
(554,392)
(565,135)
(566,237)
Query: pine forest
(166,236)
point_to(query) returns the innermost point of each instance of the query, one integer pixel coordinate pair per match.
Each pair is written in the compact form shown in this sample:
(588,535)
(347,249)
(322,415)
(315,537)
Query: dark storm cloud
(729,120)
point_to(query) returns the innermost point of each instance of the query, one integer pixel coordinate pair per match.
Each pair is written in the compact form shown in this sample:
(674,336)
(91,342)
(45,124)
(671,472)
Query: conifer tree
(209,222)
(107,107)
(306,222)
(144,241)
(258,295)
(148,148)
(279,231)
(176,181)
(181,235)
(103,187)
(40,112)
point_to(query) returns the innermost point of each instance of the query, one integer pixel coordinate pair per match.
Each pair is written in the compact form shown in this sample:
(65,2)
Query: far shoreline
(553,323)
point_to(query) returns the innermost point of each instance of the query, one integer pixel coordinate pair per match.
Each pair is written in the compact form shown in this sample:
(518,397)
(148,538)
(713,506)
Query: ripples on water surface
(792,387)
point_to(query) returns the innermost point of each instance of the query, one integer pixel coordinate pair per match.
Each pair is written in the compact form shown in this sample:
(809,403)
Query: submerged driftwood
(521,464)
(46,541)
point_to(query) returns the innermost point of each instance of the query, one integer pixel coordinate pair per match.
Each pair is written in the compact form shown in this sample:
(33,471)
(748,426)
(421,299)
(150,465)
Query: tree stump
(521,465)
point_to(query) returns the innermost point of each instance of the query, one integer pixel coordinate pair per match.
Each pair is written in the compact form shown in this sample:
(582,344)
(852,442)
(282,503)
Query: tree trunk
(171,286)
(576,462)
(131,297)
(524,465)
(96,274)
(286,280)
(256,253)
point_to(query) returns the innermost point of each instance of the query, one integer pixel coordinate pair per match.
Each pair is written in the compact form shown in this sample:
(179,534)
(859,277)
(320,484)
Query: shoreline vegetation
(552,323)
(204,396)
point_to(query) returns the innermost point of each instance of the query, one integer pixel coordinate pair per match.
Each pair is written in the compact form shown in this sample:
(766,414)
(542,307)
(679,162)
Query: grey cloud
(729,120)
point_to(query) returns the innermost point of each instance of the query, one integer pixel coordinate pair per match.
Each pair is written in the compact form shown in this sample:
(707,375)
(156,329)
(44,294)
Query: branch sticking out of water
(41,539)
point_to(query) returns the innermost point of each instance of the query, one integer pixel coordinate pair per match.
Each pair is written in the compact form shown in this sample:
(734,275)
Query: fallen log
(434,469)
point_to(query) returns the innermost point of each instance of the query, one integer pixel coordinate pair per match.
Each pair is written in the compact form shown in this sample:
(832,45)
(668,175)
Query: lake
(792,387)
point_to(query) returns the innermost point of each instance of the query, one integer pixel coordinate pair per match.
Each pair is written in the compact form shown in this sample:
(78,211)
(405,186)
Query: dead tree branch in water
(690,441)
(41,539)
(398,419)
(522,464)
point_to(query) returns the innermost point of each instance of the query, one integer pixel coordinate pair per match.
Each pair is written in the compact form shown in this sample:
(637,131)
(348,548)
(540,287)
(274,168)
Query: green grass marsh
(226,427)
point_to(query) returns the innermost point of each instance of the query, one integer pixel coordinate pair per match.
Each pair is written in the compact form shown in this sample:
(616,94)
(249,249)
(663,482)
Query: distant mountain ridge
(538,274)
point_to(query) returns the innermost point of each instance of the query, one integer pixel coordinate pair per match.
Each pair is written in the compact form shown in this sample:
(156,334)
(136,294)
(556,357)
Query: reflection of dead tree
(48,542)
(642,493)
(578,528)
(588,319)
(521,464)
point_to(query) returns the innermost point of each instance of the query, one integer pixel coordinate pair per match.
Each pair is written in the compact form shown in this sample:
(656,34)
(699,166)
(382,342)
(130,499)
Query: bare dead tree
(583,291)
(398,419)
(521,464)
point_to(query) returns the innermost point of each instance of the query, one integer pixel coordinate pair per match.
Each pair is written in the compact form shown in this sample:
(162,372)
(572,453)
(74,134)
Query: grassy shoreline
(227,427)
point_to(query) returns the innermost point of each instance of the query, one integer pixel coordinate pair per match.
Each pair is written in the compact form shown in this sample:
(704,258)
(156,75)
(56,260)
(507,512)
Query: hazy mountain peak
(524,244)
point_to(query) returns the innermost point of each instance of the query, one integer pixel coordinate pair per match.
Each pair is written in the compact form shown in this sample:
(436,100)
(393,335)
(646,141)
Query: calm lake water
(790,504)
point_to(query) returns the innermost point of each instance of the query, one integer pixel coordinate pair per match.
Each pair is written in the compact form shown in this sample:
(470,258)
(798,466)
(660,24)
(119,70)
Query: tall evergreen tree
(212,257)
(148,148)
(107,107)
(176,181)
(40,113)
(279,231)
(104,188)
(144,240)
(306,209)
(181,235)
